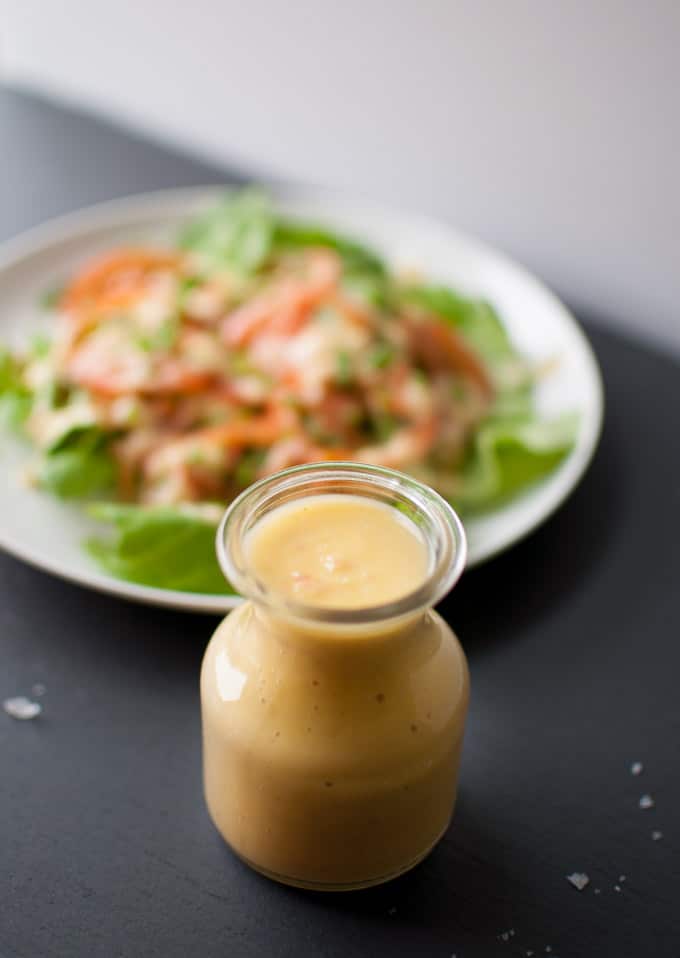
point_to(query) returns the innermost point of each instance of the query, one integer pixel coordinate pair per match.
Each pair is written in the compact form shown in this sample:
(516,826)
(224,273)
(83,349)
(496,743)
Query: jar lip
(445,538)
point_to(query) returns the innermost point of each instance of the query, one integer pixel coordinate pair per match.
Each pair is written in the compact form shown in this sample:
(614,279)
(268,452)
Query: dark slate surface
(105,847)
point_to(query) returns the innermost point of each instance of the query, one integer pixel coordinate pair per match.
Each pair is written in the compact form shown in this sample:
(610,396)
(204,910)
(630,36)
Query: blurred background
(551,130)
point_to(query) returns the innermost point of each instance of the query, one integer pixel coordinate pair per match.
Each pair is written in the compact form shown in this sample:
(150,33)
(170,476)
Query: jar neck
(341,646)
(433,518)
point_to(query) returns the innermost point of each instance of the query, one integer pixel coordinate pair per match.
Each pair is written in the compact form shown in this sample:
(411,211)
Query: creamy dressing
(331,753)
(338,551)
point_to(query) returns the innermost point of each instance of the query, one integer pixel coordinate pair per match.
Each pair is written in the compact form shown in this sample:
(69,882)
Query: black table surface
(573,642)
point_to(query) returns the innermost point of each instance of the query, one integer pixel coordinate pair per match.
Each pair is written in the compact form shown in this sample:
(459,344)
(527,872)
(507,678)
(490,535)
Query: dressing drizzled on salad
(173,378)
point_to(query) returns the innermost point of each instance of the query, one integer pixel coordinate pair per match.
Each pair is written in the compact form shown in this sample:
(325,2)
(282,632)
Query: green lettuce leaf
(15,399)
(237,234)
(508,455)
(168,548)
(78,466)
(243,231)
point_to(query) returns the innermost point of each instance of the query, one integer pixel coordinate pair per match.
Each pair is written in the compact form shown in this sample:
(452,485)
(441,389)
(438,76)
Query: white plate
(48,533)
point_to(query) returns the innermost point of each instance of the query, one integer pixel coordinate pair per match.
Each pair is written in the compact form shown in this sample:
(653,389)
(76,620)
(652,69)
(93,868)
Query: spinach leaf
(169,548)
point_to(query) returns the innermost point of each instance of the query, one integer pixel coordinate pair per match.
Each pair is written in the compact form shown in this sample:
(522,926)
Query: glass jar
(332,737)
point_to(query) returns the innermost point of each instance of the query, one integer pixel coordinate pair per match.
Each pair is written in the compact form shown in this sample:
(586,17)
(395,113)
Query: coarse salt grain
(646,801)
(617,888)
(622,878)
(657,836)
(578,879)
(636,768)
(20,707)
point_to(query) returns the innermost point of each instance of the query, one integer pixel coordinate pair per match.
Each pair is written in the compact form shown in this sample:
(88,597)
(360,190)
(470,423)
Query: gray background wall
(551,129)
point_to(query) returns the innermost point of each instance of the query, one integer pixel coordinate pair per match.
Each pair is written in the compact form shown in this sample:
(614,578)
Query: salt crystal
(548,948)
(622,878)
(504,936)
(578,879)
(617,888)
(596,890)
(636,768)
(657,836)
(38,689)
(646,801)
(529,954)
(512,932)
(20,707)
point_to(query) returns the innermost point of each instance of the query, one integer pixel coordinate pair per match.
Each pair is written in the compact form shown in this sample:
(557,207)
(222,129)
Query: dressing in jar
(334,699)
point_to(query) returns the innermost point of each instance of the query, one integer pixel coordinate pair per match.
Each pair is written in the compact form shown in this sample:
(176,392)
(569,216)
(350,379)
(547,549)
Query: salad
(175,377)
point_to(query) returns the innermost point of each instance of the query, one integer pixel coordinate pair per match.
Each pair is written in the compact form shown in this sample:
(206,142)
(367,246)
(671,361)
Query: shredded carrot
(286,307)
(115,280)
(252,430)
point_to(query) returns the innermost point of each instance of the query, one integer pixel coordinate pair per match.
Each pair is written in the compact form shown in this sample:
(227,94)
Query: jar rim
(442,528)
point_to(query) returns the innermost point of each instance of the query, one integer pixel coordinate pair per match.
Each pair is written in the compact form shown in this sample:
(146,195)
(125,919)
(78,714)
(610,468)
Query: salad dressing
(331,749)
(338,551)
